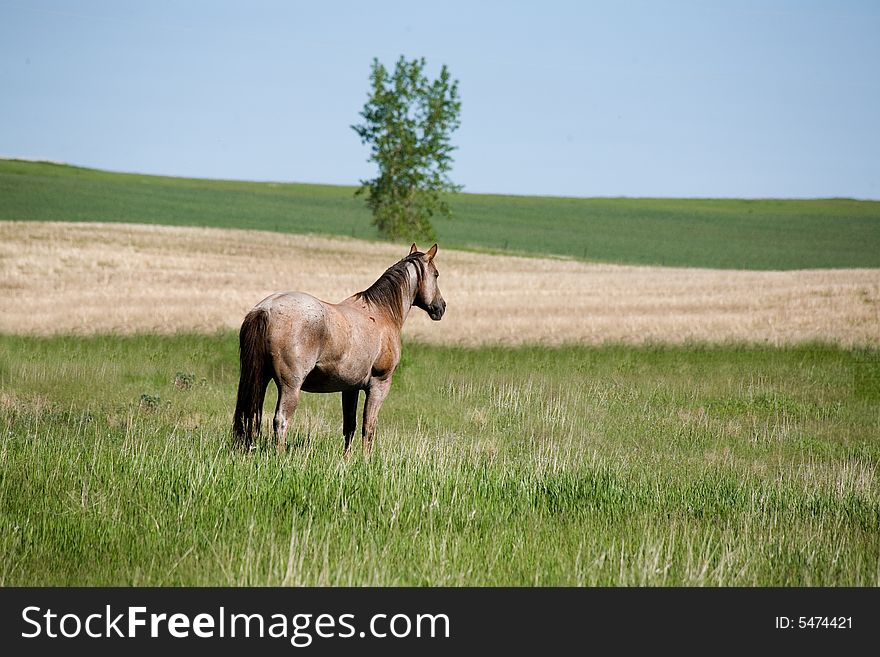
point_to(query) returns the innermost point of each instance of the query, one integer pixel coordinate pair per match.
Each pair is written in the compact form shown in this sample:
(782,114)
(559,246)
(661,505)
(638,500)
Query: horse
(305,344)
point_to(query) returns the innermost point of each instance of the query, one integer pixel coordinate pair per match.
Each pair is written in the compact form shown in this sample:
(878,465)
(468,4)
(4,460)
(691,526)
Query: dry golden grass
(86,278)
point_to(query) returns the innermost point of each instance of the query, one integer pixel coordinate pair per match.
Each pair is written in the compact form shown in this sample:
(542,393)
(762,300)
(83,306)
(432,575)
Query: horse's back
(293,304)
(297,322)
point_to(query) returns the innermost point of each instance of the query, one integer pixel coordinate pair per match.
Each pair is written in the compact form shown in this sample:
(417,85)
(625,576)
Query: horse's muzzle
(436,311)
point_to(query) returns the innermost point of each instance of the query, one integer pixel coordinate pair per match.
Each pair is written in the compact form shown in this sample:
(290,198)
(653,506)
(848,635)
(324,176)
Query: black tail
(254,377)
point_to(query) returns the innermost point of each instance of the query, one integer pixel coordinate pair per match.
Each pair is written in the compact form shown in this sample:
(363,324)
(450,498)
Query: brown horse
(303,343)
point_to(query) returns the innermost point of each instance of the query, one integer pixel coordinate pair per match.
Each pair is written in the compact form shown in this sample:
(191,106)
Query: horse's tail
(253,355)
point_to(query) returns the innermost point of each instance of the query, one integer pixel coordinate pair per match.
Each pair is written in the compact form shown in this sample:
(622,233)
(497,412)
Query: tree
(408,120)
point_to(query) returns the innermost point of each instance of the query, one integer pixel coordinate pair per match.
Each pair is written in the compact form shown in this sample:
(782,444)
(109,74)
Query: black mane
(387,291)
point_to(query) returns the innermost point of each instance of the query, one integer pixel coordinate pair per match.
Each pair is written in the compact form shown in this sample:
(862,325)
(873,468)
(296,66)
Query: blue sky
(680,98)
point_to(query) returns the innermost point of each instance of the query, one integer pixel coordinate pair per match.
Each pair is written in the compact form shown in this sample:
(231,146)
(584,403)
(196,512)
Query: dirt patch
(87,278)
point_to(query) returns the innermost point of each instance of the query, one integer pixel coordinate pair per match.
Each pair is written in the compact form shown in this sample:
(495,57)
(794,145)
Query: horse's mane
(388,289)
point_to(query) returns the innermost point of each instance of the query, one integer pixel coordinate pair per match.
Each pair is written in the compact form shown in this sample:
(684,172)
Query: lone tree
(408,120)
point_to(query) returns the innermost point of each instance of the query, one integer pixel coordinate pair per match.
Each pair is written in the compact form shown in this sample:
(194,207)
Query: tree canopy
(408,120)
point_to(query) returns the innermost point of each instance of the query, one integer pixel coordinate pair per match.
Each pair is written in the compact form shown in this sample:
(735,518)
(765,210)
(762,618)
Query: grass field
(691,465)
(728,234)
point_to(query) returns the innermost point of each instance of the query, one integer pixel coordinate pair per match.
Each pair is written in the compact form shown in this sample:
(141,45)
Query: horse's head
(428,296)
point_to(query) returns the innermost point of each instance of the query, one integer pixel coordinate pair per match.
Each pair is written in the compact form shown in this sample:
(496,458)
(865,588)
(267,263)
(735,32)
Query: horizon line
(267,181)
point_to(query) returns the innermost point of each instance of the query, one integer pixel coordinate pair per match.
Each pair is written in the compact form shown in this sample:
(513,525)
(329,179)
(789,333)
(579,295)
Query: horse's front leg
(377,391)
(349,417)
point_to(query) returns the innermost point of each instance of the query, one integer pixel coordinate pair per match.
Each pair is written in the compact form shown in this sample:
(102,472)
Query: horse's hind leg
(290,372)
(288,400)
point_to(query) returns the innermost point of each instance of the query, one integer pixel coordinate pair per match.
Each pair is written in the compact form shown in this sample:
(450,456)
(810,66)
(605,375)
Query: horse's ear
(431,252)
(413,248)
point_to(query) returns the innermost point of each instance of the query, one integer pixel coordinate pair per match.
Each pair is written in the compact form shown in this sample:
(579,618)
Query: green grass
(697,465)
(746,234)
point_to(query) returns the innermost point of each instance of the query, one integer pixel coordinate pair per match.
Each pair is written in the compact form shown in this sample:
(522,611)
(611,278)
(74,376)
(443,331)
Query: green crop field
(697,465)
(743,234)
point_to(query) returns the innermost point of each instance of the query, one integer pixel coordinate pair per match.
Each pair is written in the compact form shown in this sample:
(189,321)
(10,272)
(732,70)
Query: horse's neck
(408,292)
(398,314)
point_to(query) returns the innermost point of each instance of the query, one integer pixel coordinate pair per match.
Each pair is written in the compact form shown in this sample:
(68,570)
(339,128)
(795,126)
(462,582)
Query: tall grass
(717,233)
(723,465)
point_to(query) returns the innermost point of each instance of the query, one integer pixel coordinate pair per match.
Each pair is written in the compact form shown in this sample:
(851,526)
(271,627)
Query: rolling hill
(714,233)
